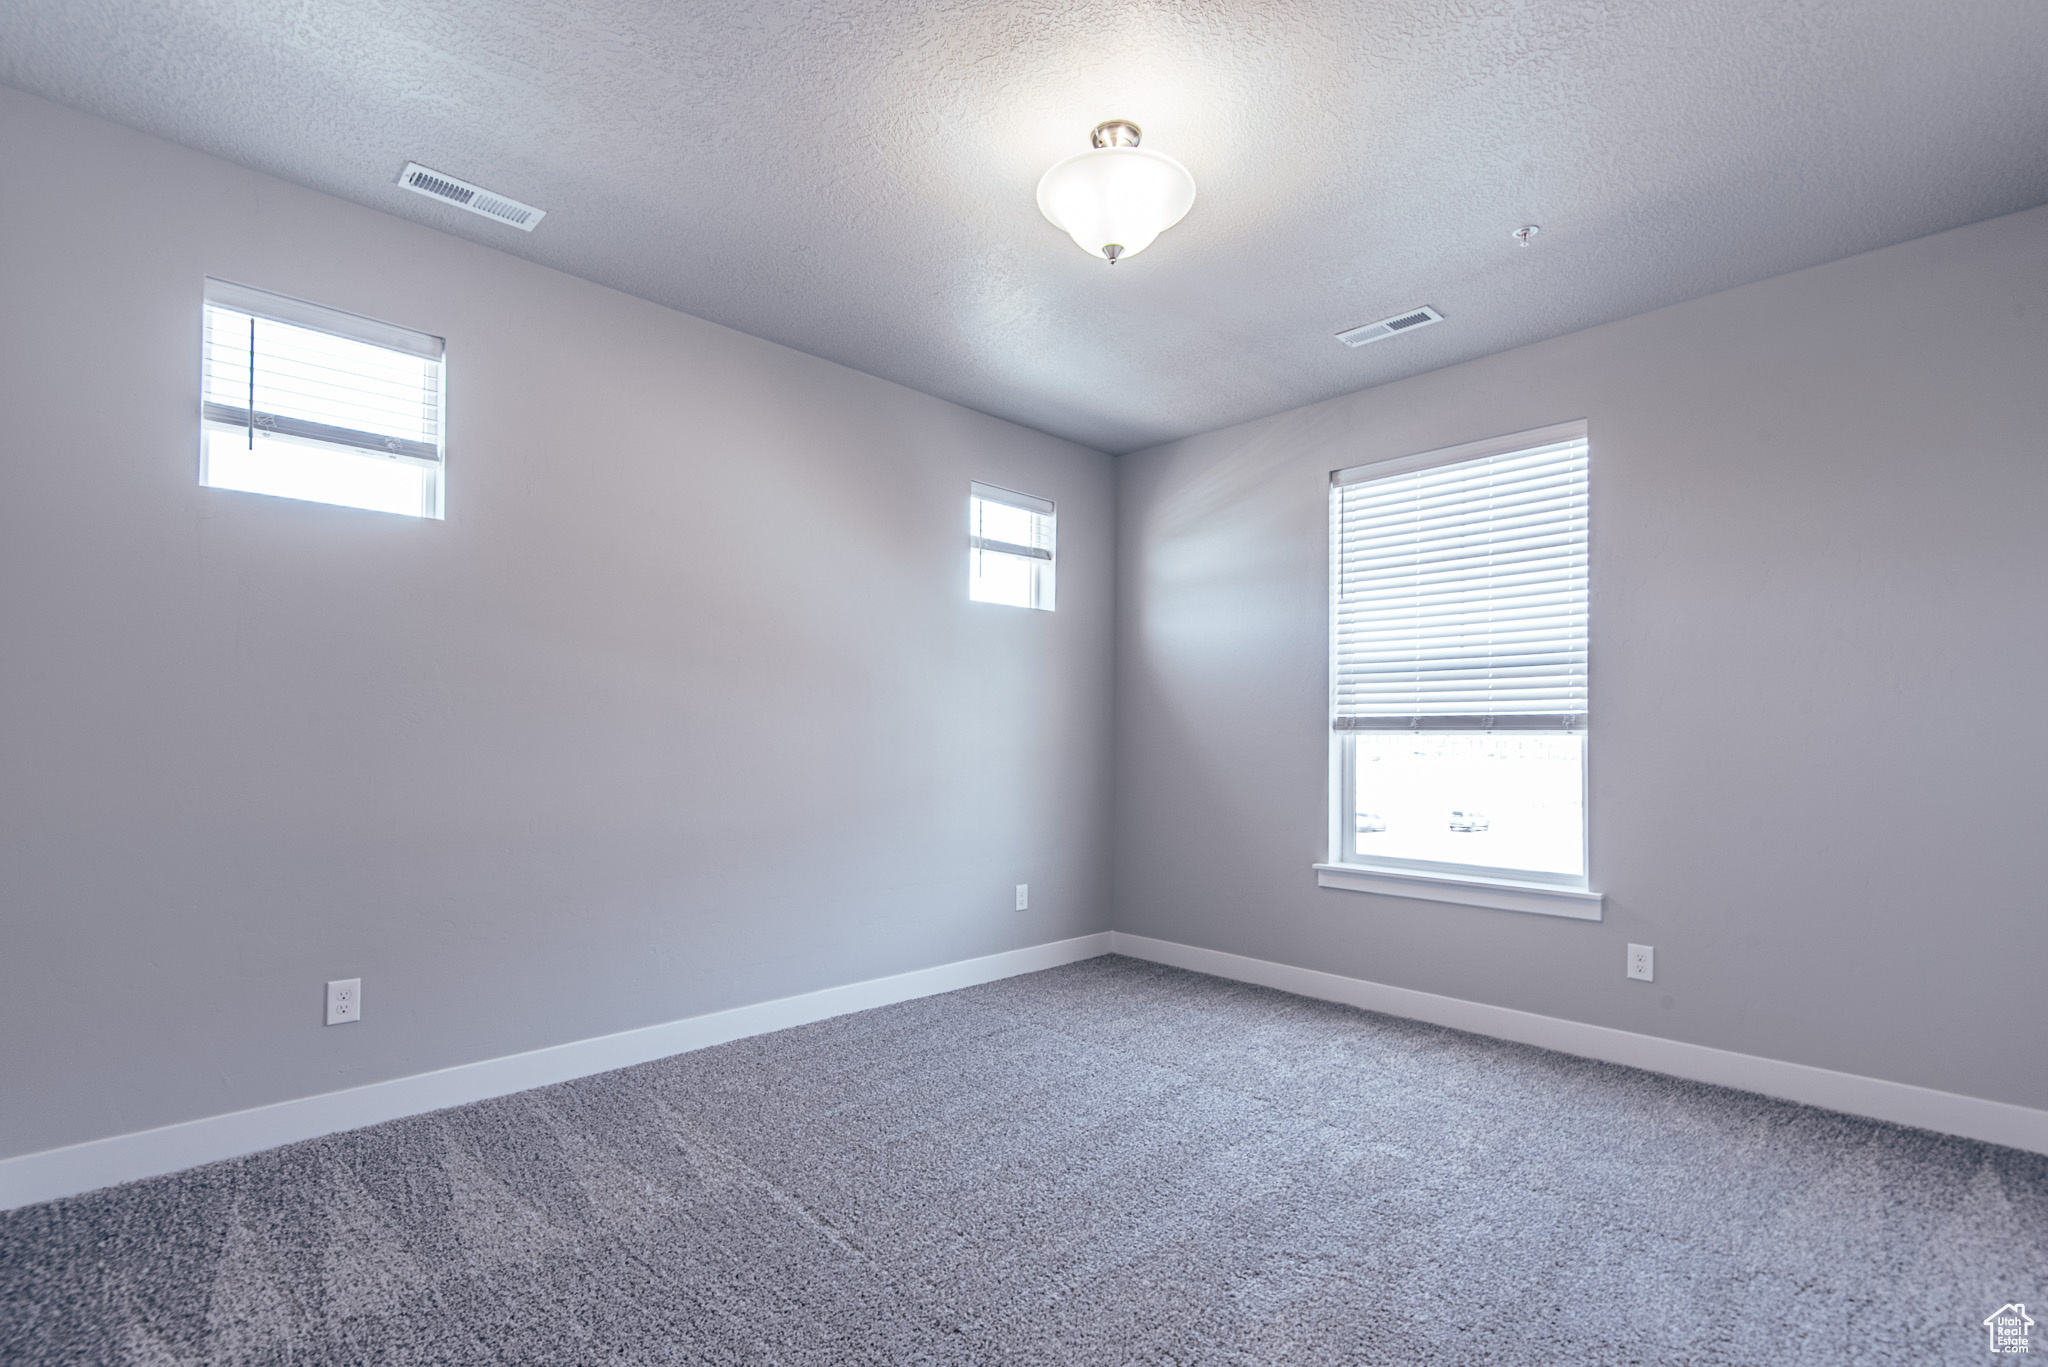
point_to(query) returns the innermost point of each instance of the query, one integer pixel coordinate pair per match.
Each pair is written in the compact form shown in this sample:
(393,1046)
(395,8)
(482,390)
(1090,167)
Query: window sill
(1500,894)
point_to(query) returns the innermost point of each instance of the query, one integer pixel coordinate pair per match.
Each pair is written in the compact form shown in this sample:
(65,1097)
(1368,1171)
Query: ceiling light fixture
(1114,199)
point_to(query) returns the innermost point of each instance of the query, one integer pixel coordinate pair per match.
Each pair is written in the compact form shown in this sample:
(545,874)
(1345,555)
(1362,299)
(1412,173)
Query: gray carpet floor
(1110,1163)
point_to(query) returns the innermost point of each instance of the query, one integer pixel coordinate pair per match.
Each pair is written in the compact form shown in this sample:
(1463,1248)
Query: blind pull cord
(252,383)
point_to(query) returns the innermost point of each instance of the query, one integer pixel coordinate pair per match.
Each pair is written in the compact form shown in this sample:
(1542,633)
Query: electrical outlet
(1642,961)
(1023,897)
(344,1001)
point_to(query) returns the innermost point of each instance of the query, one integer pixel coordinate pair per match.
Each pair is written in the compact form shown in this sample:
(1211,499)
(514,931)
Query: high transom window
(306,402)
(1010,547)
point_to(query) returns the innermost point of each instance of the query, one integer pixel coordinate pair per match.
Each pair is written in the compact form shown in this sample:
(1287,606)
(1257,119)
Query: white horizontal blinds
(1461,593)
(285,368)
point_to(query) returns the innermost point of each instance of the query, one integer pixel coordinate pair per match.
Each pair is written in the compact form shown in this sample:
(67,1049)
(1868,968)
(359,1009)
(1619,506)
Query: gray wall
(1820,750)
(682,707)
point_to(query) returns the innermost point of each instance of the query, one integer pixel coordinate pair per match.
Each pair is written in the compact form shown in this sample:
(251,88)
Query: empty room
(759,682)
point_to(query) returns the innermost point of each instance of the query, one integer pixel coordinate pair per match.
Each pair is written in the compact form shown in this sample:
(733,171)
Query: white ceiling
(856,179)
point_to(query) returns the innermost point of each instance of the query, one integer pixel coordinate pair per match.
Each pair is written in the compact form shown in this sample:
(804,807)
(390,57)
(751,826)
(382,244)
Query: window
(1010,548)
(1458,649)
(306,402)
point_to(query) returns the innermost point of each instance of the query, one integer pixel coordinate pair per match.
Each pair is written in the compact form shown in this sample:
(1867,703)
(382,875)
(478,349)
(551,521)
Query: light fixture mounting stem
(1115,133)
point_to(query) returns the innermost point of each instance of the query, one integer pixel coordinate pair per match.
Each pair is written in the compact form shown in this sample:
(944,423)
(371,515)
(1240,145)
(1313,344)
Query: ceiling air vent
(474,198)
(1387,327)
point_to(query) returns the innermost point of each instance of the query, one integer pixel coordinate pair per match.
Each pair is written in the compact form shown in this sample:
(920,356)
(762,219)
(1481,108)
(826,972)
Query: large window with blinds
(1458,650)
(300,401)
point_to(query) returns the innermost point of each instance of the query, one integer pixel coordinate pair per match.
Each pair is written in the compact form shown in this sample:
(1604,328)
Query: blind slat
(1503,536)
(1466,721)
(1533,571)
(1433,600)
(1464,618)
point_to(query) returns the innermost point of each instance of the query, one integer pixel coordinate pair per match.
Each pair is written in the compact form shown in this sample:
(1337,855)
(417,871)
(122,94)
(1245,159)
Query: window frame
(1043,559)
(1477,885)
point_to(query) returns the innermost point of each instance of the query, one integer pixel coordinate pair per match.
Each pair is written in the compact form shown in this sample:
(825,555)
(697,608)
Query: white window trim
(1045,582)
(1499,894)
(356,327)
(1574,430)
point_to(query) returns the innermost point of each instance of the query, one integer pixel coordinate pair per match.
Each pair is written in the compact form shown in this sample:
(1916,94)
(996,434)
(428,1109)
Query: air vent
(1387,327)
(474,198)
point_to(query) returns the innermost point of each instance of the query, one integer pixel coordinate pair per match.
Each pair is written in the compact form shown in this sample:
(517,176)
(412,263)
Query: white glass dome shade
(1113,200)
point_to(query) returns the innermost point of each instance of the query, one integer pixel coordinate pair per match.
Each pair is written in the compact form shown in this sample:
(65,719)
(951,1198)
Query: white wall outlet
(344,1001)
(1642,962)
(1023,897)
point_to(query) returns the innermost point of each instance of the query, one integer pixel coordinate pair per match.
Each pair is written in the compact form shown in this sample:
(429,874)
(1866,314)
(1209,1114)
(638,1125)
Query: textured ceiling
(855,179)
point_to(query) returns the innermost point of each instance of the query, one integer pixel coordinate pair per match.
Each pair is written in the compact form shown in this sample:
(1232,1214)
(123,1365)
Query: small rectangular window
(1458,649)
(1010,548)
(301,401)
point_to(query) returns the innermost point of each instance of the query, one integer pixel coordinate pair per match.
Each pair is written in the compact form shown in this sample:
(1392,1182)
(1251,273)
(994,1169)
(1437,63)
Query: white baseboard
(44,1176)
(77,1168)
(1995,1122)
